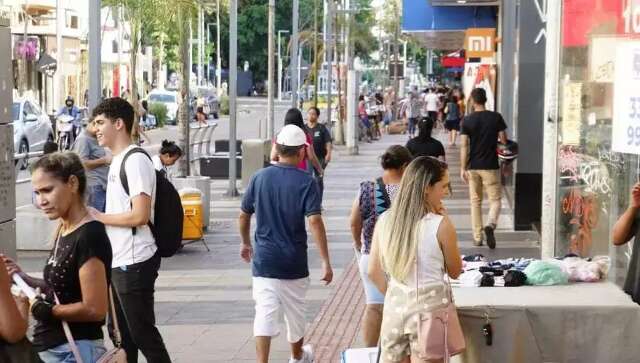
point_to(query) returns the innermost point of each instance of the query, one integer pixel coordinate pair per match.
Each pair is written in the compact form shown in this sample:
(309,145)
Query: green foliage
(224,105)
(159,110)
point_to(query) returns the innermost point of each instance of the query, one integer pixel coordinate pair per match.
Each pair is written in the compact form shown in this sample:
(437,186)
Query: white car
(169,99)
(31,128)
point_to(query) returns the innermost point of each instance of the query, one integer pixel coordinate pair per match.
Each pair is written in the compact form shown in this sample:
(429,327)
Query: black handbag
(20,352)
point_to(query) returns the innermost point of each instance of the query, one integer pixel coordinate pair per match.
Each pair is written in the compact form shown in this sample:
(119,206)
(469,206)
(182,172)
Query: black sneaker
(491,238)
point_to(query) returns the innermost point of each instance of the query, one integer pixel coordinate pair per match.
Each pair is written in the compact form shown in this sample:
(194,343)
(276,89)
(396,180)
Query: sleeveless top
(453,113)
(430,256)
(373,203)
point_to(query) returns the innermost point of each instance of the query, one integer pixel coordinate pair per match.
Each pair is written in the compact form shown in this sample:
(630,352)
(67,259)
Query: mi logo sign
(480,42)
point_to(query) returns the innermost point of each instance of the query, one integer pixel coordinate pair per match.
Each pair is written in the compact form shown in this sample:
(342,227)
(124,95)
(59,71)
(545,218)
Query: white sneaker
(307,355)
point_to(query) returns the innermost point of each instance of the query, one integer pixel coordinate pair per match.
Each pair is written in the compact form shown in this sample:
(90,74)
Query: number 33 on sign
(626,105)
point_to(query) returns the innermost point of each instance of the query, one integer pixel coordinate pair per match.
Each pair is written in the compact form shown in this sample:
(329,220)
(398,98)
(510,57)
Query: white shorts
(272,294)
(371,292)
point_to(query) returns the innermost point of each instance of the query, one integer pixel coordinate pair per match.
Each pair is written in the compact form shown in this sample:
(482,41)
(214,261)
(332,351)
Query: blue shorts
(373,295)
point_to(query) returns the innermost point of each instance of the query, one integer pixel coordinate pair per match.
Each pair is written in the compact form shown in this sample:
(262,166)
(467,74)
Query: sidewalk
(204,305)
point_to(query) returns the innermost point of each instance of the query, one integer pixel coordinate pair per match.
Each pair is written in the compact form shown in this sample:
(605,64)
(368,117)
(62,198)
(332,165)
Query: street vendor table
(584,322)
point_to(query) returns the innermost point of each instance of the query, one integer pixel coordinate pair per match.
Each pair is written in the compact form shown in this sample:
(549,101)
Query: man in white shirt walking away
(135,259)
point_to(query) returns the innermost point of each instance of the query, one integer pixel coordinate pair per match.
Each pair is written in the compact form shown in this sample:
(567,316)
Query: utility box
(7,168)
(255,156)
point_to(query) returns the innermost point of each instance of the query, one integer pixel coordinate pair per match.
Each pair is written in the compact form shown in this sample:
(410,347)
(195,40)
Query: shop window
(114,46)
(594,181)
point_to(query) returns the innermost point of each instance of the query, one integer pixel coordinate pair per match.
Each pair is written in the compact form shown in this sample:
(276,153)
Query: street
(251,115)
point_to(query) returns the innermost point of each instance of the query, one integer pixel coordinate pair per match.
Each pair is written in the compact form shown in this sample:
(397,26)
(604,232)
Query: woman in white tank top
(414,228)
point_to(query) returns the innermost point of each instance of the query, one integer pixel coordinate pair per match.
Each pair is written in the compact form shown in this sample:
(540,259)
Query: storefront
(592,138)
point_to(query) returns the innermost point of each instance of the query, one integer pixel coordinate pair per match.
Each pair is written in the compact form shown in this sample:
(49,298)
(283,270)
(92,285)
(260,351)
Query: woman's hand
(10,266)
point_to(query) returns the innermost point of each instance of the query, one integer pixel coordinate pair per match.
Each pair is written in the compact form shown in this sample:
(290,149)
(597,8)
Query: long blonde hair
(400,228)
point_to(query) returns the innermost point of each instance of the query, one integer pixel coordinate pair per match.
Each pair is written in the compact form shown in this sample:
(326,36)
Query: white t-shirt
(432,102)
(157,163)
(127,248)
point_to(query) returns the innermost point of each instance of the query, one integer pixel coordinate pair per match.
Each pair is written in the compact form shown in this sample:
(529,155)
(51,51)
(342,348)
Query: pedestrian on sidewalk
(452,123)
(374,198)
(310,161)
(424,144)
(413,112)
(282,196)
(479,168)
(627,227)
(432,104)
(415,232)
(365,123)
(168,155)
(96,161)
(77,274)
(322,144)
(135,261)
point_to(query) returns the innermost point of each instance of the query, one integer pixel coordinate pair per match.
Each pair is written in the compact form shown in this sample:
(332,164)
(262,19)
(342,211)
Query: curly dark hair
(116,108)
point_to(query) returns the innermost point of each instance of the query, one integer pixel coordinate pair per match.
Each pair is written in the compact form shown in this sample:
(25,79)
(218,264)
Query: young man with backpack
(132,187)
(282,196)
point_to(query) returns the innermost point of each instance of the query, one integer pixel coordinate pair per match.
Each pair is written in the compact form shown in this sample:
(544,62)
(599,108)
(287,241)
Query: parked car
(169,99)
(31,129)
(208,100)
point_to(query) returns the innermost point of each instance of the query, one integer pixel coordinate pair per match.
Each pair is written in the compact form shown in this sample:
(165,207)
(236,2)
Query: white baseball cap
(291,135)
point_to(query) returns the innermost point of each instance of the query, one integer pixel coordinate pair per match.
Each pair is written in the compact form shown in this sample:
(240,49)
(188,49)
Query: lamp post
(280,65)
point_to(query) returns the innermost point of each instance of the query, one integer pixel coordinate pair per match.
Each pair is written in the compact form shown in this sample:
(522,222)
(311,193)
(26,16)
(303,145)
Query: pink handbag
(439,331)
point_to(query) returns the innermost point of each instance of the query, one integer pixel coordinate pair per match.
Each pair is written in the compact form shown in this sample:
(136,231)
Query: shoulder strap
(123,171)
(123,174)
(69,336)
(114,318)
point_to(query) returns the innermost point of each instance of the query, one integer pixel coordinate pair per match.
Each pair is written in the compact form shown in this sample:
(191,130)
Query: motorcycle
(64,127)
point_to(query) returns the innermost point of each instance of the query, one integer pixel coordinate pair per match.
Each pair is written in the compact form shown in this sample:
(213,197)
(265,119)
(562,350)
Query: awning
(453,62)
(419,15)
(443,27)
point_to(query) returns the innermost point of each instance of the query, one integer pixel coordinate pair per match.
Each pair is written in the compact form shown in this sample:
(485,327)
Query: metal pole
(315,53)
(294,53)
(208,55)
(232,190)
(200,45)
(328,35)
(279,69)
(218,56)
(58,88)
(95,71)
(270,67)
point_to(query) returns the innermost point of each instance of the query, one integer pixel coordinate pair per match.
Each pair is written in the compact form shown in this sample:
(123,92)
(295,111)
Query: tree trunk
(183,115)
(133,91)
(315,53)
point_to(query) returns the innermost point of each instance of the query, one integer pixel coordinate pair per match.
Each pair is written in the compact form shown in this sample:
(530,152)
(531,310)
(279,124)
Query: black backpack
(168,217)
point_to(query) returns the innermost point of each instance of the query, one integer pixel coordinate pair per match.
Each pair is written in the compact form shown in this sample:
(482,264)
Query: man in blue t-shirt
(282,196)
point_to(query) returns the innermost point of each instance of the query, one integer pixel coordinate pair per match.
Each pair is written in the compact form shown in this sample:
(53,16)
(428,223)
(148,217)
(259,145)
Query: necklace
(53,260)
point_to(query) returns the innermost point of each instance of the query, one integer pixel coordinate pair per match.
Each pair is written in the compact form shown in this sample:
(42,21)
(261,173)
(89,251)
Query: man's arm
(320,236)
(94,164)
(244,224)
(464,156)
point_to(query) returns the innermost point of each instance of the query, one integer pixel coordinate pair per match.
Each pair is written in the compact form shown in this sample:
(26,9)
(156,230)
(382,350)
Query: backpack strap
(123,176)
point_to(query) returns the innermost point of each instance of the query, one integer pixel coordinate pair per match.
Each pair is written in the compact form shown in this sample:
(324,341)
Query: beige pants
(479,181)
